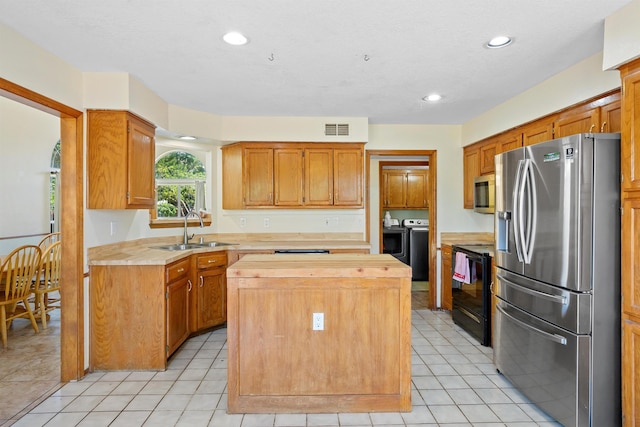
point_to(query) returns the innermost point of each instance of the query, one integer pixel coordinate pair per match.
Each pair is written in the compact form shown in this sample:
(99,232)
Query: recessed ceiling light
(235,38)
(500,41)
(432,98)
(187,138)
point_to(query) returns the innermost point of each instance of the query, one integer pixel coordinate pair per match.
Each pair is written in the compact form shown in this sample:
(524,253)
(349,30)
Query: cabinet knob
(212,261)
(201,281)
(180,270)
(603,126)
(190,285)
(591,128)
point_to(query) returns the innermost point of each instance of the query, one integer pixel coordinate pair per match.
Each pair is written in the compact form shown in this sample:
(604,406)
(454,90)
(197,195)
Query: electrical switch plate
(266,223)
(318,321)
(113,228)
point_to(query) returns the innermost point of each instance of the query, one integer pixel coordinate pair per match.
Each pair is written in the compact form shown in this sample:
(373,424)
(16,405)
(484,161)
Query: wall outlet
(266,223)
(318,321)
(113,228)
(243,222)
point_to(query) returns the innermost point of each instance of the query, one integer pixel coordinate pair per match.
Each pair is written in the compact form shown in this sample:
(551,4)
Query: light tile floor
(454,384)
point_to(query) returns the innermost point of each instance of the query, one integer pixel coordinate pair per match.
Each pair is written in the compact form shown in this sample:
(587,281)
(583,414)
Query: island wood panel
(360,362)
(127,318)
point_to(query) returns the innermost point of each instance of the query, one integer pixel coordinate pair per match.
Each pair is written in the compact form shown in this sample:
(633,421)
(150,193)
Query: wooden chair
(48,281)
(16,277)
(48,240)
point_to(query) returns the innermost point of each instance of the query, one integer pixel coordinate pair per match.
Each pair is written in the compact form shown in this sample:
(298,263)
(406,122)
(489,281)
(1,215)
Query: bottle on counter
(387,219)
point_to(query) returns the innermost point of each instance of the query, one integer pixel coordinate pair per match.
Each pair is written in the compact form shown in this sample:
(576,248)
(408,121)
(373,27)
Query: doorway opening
(388,174)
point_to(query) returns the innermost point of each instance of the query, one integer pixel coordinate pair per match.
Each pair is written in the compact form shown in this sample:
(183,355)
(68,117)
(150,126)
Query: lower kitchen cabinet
(209,296)
(446,277)
(178,288)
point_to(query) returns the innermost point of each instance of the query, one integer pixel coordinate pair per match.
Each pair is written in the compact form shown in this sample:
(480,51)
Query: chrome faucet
(186,217)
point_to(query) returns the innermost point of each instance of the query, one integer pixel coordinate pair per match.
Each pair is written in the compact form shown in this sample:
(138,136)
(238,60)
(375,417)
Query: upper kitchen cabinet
(120,161)
(600,115)
(471,169)
(291,175)
(405,189)
(347,177)
(537,131)
(630,149)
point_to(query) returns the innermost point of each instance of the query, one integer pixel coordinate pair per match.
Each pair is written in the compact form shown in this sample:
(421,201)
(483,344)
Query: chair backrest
(18,271)
(50,266)
(48,240)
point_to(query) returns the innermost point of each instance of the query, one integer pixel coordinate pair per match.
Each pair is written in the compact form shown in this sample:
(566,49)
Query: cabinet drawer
(177,270)
(217,259)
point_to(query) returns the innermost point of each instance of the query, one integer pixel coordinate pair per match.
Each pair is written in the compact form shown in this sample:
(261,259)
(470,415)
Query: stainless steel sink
(178,247)
(183,247)
(213,244)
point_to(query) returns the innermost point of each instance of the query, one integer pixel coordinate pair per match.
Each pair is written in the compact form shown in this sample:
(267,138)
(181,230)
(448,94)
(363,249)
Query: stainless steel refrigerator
(557,321)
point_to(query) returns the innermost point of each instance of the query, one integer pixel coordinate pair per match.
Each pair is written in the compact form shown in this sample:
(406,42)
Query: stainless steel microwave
(484,193)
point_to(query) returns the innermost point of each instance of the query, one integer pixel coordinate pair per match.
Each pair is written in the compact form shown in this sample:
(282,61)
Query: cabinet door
(177,313)
(141,165)
(318,177)
(611,117)
(347,174)
(630,255)
(446,277)
(578,120)
(395,188)
(288,176)
(509,141)
(418,189)
(212,298)
(487,155)
(258,177)
(471,170)
(630,152)
(538,131)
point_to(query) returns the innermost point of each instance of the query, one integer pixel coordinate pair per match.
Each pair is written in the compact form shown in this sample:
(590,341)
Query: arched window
(180,184)
(54,190)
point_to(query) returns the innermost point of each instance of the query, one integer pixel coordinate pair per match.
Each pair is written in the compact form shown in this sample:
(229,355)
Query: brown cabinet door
(212,298)
(177,313)
(471,170)
(630,154)
(141,165)
(318,177)
(258,177)
(446,278)
(538,131)
(510,141)
(611,117)
(395,188)
(347,173)
(288,176)
(418,189)
(487,155)
(630,373)
(630,262)
(578,120)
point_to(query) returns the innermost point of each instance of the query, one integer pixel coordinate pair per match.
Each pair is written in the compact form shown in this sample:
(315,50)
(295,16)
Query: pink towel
(462,272)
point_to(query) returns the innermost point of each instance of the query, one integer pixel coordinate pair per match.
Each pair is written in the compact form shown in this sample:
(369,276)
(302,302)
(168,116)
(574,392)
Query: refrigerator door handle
(555,298)
(552,337)
(528,188)
(518,189)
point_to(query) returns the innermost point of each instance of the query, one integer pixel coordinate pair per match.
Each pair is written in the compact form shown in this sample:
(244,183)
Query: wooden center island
(319,333)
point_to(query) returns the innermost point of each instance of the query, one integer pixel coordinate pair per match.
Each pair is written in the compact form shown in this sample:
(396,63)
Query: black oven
(470,292)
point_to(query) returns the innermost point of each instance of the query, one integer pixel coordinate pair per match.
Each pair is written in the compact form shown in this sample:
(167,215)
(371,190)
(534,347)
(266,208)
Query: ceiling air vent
(332,129)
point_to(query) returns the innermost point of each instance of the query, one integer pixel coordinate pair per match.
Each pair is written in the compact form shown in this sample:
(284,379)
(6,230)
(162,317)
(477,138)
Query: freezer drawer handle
(470,314)
(555,298)
(553,337)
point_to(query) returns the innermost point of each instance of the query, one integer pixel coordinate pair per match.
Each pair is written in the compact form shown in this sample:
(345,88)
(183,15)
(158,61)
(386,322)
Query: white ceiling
(354,58)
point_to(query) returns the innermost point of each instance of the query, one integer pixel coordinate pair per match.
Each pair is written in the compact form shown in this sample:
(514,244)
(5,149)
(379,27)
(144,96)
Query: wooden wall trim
(72,231)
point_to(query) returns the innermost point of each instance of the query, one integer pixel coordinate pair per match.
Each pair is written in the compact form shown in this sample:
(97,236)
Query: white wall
(582,81)
(622,36)
(25,162)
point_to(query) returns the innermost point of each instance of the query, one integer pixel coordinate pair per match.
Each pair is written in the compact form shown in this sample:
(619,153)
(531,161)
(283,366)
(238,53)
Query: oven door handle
(555,298)
(469,314)
(552,337)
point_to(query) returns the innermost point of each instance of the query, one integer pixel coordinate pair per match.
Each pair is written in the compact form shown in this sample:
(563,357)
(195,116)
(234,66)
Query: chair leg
(31,316)
(3,325)
(40,301)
